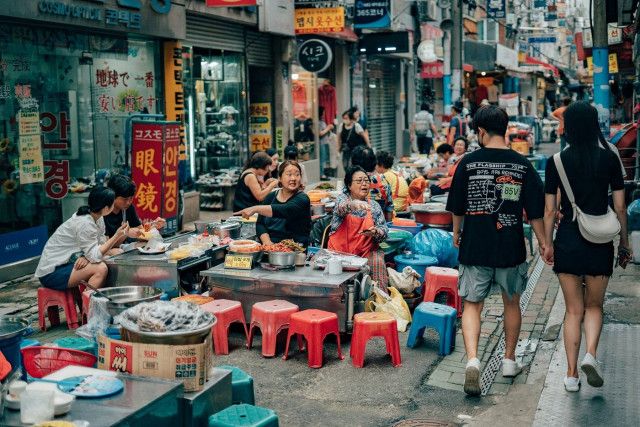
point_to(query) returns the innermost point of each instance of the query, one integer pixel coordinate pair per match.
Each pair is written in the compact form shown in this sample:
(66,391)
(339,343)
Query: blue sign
(23,244)
(542,40)
(372,14)
(496,9)
(539,3)
(550,16)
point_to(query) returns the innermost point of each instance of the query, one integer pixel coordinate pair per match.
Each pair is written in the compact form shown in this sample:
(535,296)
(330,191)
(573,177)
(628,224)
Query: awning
(480,56)
(534,61)
(347,35)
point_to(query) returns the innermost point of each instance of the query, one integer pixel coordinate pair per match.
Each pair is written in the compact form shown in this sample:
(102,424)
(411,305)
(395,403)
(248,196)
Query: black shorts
(58,279)
(573,254)
(425,144)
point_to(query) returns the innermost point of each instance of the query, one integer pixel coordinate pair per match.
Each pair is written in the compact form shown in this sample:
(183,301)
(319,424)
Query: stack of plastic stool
(49,300)
(226,312)
(314,325)
(369,325)
(441,279)
(241,385)
(271,317)
(244,415)
(440,317)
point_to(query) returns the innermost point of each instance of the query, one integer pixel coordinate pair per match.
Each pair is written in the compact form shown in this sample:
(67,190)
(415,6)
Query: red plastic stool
(86,301)
(314,325)
(226,312)
(271,317)
(369,325)
(441,279)
(49,300)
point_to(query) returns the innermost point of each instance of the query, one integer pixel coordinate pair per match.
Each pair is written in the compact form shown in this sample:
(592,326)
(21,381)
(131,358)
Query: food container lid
(416,259)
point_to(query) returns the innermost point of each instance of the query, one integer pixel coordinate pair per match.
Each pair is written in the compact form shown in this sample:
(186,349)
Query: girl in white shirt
(82,234)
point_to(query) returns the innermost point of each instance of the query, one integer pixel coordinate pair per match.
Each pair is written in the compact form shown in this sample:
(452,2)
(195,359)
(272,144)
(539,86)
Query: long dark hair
(584,136)
(99,198)
(259,160)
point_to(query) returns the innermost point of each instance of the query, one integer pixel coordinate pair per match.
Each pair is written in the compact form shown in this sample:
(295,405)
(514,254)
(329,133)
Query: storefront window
(304,92)
(217,116)
(55,86)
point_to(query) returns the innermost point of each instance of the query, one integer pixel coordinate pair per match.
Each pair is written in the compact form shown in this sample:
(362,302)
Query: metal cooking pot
(282,259)
(125,297)
(317,209)
(226,229)
(196,336)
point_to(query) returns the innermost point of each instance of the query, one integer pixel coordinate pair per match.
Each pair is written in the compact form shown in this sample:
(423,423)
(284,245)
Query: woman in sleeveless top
(249,191)
(591,169)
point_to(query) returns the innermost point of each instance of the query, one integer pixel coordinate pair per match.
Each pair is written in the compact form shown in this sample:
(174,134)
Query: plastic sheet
(633,213)
(406,281)
(98,319)
(392,303)
(436,243)
(164,316)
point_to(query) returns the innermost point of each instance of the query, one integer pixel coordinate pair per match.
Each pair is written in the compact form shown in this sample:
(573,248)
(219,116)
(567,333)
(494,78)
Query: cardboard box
(186,363)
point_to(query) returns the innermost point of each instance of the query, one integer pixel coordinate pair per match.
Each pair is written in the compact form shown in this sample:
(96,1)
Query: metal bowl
(282,259)
(196,336)
(125,297)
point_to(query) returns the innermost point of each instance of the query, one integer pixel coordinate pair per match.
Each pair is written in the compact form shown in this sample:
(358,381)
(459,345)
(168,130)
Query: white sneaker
(590,366)
(572,384)
(510,368)
(472,377)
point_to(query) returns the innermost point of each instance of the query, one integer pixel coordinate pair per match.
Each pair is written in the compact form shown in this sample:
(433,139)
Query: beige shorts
(475,282)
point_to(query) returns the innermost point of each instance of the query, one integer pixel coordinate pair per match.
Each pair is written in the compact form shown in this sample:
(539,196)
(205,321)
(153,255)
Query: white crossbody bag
(594,228)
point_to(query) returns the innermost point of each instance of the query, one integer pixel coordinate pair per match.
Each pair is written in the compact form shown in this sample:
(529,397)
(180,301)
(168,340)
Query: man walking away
(490,189)
(423,129)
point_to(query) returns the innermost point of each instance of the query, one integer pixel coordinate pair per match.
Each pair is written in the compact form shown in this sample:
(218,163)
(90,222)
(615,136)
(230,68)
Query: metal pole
(601,64)
(446,79)
(456,50)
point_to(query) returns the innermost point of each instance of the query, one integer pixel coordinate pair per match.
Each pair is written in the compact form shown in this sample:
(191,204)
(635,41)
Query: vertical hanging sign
(146,169)
(170,179)
(174,98)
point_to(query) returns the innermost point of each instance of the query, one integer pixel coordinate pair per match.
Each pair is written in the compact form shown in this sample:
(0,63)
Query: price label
(238,262)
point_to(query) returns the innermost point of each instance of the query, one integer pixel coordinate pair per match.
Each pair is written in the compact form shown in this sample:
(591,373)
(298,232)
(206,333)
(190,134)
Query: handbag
(594,228)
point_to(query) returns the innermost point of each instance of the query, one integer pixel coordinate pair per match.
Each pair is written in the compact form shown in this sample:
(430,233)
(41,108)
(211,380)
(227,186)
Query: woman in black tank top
(249,192)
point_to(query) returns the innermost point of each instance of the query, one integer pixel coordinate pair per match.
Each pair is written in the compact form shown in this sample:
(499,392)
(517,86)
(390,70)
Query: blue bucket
(10,347)
(11,350)
(418,262)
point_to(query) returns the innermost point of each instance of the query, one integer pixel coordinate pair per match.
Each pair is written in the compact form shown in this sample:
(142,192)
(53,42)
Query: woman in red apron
(358,225)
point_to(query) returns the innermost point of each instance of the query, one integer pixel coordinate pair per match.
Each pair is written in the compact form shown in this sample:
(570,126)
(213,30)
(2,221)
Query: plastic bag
(98,319)
(406,281)
(633,213)
(164,316)
(436,243)
(393,304)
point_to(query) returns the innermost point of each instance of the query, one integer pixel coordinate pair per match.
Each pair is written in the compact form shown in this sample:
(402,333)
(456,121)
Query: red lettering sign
(171,155)
(432,70)
(121,358)
(146,167)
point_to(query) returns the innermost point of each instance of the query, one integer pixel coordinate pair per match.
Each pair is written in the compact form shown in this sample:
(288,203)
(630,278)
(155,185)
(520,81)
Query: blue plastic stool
(244,415)
(440,317)
(241,385)
(77,343)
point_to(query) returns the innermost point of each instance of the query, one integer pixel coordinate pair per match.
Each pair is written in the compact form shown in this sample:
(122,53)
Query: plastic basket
(40,361)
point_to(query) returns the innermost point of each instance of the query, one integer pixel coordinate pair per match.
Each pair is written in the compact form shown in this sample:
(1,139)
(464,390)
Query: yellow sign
(319,20)
(174,90)
(260,126)
(29,123)
(238,262)
(613,64)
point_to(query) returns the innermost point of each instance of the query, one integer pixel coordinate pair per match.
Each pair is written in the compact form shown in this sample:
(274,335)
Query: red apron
(348,239)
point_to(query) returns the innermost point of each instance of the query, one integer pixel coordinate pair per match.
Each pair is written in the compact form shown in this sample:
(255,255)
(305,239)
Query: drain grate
(422,423)
(493,366)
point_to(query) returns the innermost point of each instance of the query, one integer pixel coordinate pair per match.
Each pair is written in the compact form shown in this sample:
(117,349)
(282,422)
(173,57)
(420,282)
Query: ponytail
(83,210)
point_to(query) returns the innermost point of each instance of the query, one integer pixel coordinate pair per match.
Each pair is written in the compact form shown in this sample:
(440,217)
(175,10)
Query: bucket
(12,331)
(11,349)
(418,262)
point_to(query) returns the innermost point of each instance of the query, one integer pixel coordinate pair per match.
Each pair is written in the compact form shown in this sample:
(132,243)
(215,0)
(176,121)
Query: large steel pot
(196,336)
(125,297)
(227,229)
(282,259)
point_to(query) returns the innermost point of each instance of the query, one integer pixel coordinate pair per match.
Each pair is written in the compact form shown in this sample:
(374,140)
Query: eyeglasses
(361,181)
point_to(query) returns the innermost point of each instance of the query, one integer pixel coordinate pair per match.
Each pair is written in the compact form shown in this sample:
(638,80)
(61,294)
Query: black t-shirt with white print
(491,188)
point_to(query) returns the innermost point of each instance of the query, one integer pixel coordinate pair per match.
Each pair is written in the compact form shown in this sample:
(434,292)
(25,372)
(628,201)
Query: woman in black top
(591,169)
(286,213)
(249,191)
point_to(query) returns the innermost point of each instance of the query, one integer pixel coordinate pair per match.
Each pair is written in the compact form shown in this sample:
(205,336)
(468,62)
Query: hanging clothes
(327,100)
(299,93)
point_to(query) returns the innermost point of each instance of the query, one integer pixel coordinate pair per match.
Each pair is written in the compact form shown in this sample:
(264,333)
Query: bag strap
(565,182)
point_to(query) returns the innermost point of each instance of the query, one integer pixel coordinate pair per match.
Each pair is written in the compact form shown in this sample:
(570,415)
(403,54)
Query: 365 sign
(372,14)
(314,55)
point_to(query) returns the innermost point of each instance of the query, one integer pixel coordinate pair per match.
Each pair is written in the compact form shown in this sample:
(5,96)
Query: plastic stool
(226,312)
(77,343)
(440,317)
(271,317)
(241,385)
(314,325)
(369,325)
(49,300)
(244,415)
(86,302)
(528,234)
(441,279)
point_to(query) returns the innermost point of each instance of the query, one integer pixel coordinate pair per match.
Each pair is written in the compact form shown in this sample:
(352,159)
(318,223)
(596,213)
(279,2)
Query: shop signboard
(230,3)
(539,3)
(154,169)
(314,55)
(432,70)
(372,14)
(31,163)
(162,18)
(497,9)
(319,20)
(23,244)
(280,140)
(174,101)
(550,16)
(260,126)
(613,64)
(549,39)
